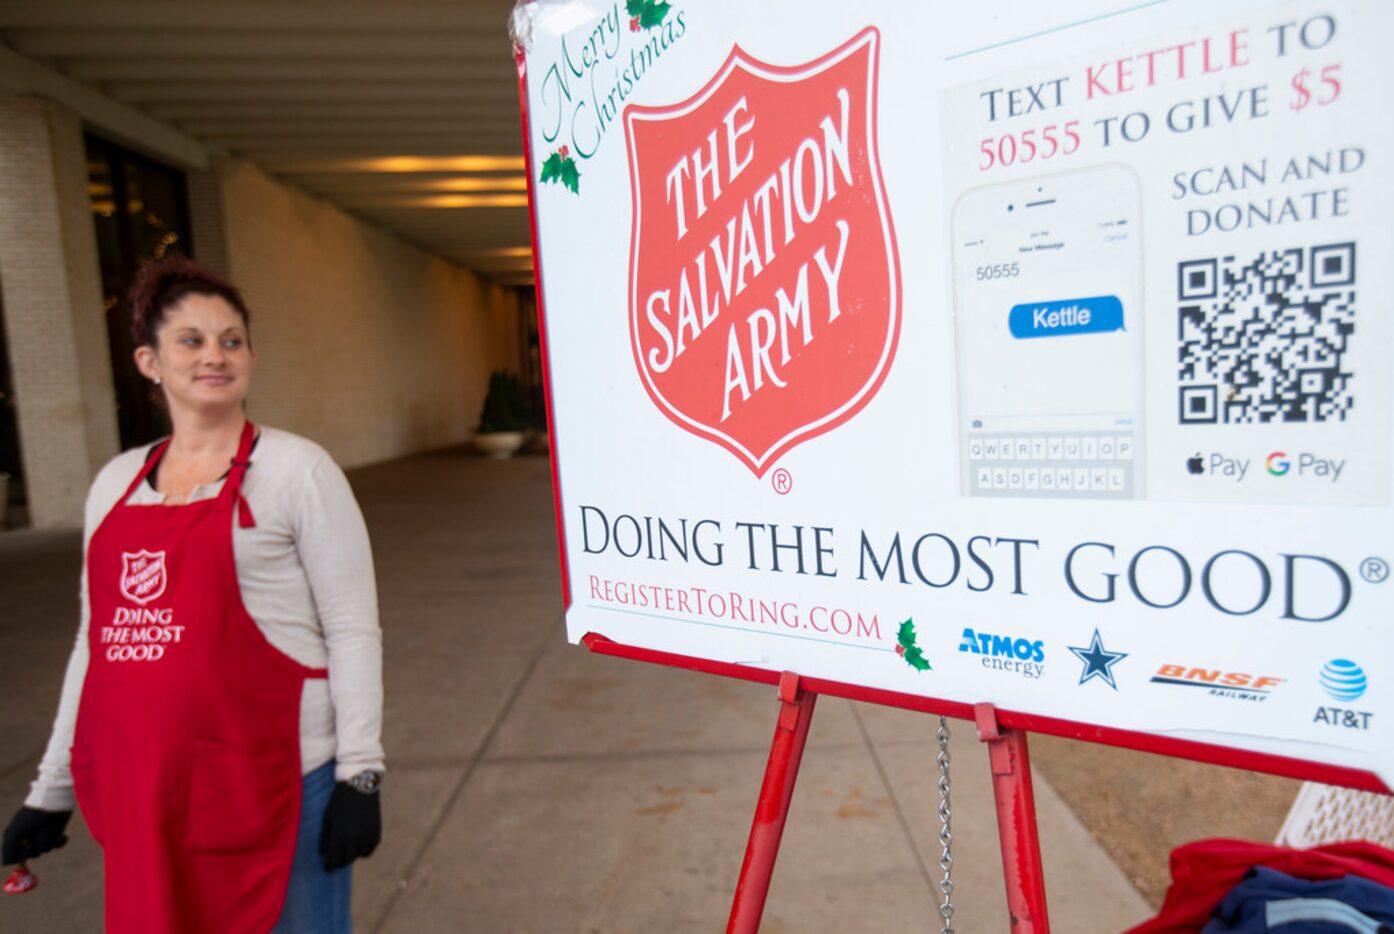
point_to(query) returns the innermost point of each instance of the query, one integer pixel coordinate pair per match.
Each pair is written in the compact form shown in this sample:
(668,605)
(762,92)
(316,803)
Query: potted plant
(503,423)
(537,422)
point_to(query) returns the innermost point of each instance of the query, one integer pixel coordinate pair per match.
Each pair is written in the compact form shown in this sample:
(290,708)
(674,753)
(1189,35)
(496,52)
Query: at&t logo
(1345,681)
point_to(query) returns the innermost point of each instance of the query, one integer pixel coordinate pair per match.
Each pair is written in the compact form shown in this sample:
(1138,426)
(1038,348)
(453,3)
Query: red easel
(1011,784)
(1005,735)
(1011,787)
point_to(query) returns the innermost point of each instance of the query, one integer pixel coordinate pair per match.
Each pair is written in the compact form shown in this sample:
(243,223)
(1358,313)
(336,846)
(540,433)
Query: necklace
(180,499)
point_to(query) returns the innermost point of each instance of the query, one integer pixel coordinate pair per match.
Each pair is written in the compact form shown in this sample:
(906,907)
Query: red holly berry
(564,151)
(900,650)
(634,24)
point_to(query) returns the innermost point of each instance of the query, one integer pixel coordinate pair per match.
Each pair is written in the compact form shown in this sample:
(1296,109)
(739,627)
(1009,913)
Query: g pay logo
(1278,464)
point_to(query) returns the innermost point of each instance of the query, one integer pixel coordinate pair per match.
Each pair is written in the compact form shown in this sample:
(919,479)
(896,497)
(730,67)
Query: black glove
(352,827)
(32,833)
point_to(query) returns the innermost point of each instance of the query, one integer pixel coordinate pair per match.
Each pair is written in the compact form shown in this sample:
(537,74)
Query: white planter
(499,444)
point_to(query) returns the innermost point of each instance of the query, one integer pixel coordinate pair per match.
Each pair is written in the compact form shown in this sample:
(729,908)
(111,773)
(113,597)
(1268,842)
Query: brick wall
(59,358)
(207,223)
(367,344)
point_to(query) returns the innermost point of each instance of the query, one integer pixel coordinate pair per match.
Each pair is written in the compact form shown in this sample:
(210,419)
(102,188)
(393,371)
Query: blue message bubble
(1067,316)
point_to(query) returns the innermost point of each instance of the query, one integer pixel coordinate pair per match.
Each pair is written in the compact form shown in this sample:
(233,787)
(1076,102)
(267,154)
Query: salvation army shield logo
(143,575)
(764,302)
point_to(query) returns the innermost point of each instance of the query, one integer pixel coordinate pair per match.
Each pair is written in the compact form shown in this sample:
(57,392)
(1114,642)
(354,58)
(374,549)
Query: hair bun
(160,285)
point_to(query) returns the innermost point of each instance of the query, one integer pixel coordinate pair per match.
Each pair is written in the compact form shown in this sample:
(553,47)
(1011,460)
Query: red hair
(161,285)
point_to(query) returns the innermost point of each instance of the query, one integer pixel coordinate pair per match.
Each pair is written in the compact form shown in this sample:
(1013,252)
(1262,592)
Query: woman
(223,703)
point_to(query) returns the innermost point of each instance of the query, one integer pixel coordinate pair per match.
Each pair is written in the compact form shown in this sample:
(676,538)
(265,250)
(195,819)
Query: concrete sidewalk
(533,787)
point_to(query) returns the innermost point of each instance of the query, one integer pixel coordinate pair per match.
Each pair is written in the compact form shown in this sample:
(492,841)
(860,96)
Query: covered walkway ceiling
(403,112)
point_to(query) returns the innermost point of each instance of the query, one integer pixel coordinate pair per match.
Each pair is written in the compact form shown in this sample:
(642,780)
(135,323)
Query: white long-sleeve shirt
(306,574)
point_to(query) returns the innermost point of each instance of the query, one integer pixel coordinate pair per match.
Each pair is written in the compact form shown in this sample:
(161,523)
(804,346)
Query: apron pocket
(88,792)
(240,798)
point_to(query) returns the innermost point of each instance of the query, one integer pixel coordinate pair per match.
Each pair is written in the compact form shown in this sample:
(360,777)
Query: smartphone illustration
(1048,316)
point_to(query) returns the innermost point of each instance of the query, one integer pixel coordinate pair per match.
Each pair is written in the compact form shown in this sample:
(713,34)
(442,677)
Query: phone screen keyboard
(1072,465)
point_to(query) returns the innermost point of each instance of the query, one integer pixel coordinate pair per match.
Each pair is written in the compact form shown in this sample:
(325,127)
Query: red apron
(186,756)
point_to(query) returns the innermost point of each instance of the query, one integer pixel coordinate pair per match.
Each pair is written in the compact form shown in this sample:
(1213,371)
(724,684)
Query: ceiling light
(464,201)
(506,252)
(435,164)
(476,183)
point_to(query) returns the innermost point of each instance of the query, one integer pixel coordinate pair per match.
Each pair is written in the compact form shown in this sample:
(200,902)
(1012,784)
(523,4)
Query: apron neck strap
(233,485)
(151,461)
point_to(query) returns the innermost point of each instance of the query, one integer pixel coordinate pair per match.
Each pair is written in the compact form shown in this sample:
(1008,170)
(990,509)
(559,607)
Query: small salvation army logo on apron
(143,575)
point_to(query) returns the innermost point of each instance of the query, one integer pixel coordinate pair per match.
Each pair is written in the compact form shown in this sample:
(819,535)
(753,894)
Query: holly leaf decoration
(560,167)
(646,14)
(551,168)
(570,177)
(916,660)
(653,14)
(908,648)
(905,637)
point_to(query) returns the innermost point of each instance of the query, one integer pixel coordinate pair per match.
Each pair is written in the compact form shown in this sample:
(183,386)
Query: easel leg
(1016,823)
(790,734)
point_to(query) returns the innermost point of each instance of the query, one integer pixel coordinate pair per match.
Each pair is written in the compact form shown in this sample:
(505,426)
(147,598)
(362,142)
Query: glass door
(140,209)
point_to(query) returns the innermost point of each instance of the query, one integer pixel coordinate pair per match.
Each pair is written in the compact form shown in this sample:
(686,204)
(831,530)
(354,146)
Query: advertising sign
(1036,355)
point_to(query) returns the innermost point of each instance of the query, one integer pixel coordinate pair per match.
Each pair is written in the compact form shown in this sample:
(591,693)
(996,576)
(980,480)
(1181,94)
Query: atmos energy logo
(764,302)
(1005,653)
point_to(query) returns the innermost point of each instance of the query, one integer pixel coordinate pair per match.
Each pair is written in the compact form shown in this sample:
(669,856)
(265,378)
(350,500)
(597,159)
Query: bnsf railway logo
(764,303)
(143,575)
(1236,685)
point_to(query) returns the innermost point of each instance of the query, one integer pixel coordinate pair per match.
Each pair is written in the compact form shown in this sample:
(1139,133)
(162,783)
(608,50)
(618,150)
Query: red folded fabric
(1202,872)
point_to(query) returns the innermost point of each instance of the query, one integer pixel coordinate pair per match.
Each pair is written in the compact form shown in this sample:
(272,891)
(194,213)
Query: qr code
(1268,339)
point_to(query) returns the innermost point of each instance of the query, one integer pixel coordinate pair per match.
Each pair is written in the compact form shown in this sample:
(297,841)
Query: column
(50,284)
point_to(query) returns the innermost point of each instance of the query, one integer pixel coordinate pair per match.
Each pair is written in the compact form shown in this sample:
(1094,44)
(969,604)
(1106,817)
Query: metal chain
(946,837)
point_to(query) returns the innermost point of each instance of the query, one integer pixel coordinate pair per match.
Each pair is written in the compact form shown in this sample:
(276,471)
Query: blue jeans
(317,902)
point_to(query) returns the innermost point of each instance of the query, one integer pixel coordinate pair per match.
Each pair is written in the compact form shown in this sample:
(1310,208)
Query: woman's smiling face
(201,356)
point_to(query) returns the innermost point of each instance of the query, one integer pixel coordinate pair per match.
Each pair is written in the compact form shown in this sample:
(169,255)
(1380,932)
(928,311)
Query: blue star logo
(1098,661)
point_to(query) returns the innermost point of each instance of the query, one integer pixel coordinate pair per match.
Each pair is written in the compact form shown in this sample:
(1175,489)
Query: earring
(157,381)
